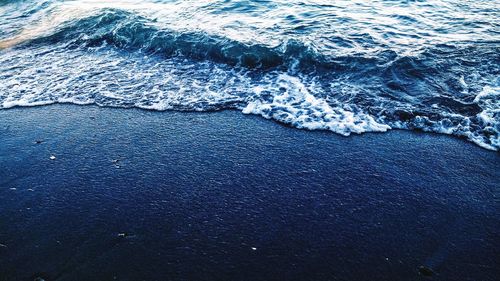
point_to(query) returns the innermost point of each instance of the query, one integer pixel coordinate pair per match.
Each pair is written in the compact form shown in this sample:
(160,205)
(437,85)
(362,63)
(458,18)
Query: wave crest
(114,57)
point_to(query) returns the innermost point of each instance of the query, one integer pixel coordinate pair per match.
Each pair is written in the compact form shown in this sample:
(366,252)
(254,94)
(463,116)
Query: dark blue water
(344,66)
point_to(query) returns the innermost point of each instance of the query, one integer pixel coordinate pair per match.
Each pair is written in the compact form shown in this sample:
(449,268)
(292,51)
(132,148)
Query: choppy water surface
(345,66)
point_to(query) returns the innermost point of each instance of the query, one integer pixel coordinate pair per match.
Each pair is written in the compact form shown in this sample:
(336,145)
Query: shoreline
(138,194)
(416,131)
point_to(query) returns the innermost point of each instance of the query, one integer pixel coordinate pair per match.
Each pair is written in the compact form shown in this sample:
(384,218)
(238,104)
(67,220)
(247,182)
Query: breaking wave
(127,56)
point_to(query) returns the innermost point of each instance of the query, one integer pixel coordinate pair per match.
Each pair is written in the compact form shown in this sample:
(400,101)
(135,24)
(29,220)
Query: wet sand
(140,195)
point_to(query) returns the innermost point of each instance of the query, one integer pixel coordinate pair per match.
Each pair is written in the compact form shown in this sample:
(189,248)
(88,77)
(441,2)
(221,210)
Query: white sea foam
(106,76)
(295,105)
(489,100)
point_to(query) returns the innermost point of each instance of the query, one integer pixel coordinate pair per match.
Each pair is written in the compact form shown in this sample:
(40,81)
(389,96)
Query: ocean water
(344,66)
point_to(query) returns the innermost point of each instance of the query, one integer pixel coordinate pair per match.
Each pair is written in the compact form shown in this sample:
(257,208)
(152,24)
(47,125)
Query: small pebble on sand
(425,271)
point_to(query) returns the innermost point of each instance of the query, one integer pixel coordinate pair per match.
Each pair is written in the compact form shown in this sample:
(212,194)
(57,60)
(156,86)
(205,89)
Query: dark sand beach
(141,195)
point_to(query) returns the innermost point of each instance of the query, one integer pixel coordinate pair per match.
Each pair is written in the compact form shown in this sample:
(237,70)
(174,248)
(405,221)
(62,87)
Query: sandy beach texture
(89,193)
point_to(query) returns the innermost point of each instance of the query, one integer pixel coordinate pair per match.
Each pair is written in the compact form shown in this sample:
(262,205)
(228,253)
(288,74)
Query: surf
(205,56)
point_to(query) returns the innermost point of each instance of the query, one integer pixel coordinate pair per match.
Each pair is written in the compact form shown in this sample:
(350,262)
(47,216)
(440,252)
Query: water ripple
(348,67)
